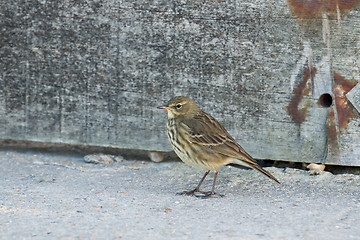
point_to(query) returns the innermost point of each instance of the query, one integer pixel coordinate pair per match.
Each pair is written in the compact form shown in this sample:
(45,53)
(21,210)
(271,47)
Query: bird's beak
(164,107)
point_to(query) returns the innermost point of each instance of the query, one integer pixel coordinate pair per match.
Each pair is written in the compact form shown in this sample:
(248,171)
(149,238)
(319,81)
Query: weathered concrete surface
(92,72)
(54,196)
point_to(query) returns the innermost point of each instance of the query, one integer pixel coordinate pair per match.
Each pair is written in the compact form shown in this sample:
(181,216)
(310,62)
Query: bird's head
(180,106)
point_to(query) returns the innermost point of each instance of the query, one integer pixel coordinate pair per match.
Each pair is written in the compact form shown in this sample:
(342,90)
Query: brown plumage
(201,141)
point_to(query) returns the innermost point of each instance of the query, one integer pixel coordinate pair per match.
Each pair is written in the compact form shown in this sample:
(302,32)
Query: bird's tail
(254,166)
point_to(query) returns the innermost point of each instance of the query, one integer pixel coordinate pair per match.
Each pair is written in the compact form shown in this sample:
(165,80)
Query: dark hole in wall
(325,100)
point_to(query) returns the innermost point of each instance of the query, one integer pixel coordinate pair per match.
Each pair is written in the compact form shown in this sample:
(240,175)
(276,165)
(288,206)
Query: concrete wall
(93,72)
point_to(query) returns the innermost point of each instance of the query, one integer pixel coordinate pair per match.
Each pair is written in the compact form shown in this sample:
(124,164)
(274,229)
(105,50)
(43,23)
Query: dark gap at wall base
(61,148)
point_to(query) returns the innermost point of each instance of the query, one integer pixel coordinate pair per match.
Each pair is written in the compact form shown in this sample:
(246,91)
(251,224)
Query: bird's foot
(197,193)
(189,193)
(205,195)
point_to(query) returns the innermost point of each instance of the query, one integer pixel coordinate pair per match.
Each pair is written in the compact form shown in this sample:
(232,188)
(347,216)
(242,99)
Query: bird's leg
(212,193)
(197,189)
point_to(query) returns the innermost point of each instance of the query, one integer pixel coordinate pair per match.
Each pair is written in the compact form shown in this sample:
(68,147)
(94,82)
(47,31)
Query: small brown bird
(201,141)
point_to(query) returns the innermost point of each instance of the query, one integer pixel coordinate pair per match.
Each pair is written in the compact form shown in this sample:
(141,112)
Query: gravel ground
(60,196)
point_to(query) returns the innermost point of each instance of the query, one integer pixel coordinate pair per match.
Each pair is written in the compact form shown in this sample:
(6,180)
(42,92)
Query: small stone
(100,158)
(118,158)
(156,156)
(314,166)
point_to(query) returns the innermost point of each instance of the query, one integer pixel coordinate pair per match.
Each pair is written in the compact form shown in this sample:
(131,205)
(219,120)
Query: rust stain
(307,9)
(330,125)
(331,133)
(345,111)
(299,115)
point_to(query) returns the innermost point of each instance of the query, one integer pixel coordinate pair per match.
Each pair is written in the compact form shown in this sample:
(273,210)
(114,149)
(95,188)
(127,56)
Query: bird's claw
(206,195)
(189,193)
(200,194)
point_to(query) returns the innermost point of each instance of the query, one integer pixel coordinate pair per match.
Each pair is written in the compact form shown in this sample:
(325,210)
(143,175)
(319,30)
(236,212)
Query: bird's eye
(178,106)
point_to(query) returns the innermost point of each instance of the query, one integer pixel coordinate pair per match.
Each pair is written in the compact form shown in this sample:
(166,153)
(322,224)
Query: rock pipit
(201,141)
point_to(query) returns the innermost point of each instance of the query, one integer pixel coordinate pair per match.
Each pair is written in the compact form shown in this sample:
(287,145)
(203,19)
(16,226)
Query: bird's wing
(207,131)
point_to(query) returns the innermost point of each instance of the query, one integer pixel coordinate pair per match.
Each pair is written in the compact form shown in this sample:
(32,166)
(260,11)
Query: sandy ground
(59,196)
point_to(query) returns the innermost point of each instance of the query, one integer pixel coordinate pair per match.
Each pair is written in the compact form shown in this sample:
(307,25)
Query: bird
(199,140)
